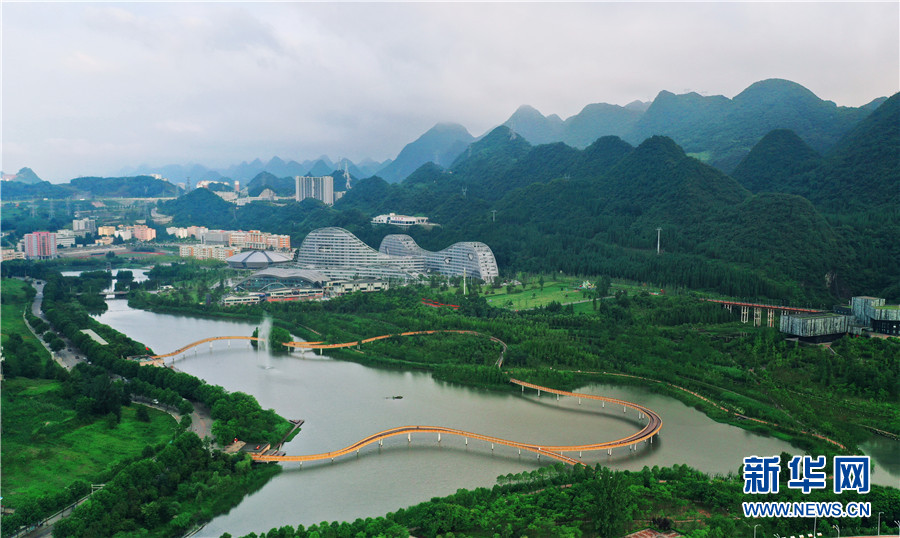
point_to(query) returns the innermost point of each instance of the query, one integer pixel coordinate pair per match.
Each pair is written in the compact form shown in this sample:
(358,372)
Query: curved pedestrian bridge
(645,434)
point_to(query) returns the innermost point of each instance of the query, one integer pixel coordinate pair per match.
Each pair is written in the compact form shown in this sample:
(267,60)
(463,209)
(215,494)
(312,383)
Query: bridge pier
(771,317)
(439,437)
(579,401)
(745,314)
(408,437)
(757,316)
(381,442)
(492,447)
(467,441)
(557,397)
(602,404)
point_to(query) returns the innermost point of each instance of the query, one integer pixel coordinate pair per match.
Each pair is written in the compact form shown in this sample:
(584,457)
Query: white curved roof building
(339,251)
(470,258)
(256,259)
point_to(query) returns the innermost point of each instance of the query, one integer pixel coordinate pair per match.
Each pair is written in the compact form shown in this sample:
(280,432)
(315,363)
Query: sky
(94,88)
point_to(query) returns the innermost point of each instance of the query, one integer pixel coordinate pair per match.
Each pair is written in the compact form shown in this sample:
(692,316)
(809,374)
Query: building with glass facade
(337,251)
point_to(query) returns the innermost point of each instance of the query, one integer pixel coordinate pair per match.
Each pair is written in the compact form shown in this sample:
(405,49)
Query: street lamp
(879,523)
(754,530)
(838,529)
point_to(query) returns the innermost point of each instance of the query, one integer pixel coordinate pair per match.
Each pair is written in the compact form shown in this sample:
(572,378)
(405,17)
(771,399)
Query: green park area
(46,446)
(14,296)
(540,291)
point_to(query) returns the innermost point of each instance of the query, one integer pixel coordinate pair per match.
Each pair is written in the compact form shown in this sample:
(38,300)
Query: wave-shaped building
(469,257)
(340,254)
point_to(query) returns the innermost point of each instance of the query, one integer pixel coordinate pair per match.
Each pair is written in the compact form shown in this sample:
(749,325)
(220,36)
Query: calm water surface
(342,402)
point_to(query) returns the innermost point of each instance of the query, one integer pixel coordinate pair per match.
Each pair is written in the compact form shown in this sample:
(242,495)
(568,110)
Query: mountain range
(715,129)
(792,222)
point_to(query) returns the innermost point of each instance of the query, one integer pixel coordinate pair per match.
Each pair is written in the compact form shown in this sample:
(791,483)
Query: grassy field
(46,448)
(12,307)
(563,291)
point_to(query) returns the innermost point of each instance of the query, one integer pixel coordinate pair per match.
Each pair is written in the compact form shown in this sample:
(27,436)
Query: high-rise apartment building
(320,188)
(40,245)
(84,226)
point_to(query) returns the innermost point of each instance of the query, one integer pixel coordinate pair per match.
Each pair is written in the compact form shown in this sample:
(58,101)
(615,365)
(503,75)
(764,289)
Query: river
(343,402)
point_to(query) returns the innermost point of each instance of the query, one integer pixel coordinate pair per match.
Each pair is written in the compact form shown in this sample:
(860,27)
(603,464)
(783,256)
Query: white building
(399,220)
(84,226)
(320,188)
(65,238)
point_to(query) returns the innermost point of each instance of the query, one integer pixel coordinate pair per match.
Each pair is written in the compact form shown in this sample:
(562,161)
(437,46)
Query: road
(66,357)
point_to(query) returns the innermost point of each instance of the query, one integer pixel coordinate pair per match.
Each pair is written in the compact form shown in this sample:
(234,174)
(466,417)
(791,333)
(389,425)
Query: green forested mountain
(111,187)
(27,175)
(125,187)
(16,190)
(597,210)
(724,130)
(716,129)
(861,172)
(776,162)
(863,169)
(535,127)
(282,186)
(441,145)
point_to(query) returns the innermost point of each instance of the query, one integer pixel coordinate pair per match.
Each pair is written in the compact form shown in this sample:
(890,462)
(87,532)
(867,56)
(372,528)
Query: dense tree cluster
(169,490)
(583,501)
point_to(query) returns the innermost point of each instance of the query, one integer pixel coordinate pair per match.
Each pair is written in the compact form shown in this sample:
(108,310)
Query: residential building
(106,230)
(320,188)
(81,227)
(40,245)
(65,238)
(12,254)
(206,252)
(143,232)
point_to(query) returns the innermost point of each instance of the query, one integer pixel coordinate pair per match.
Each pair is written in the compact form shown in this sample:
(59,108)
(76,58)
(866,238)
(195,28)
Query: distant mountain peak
(776,90)
(441,145)
(27,175)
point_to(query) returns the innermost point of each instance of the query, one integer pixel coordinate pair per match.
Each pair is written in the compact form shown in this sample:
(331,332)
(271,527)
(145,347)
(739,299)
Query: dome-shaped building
(256,259)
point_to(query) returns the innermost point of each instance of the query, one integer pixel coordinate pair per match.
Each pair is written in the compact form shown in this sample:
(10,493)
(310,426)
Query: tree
(612,503)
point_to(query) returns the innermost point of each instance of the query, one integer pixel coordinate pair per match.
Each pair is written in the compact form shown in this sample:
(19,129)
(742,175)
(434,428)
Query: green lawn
(13,305)
(562,291)
(46,448)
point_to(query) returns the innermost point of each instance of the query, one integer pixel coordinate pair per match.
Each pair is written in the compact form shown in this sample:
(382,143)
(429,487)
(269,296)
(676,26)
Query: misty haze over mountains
(715,129)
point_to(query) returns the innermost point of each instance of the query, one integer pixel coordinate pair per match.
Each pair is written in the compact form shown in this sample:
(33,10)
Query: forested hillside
(718,130)
(596,211)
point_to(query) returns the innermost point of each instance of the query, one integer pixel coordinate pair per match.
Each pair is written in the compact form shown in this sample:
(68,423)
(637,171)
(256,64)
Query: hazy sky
(90,88)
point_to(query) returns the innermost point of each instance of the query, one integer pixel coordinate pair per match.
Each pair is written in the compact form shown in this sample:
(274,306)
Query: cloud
(224,82)
(178,127)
